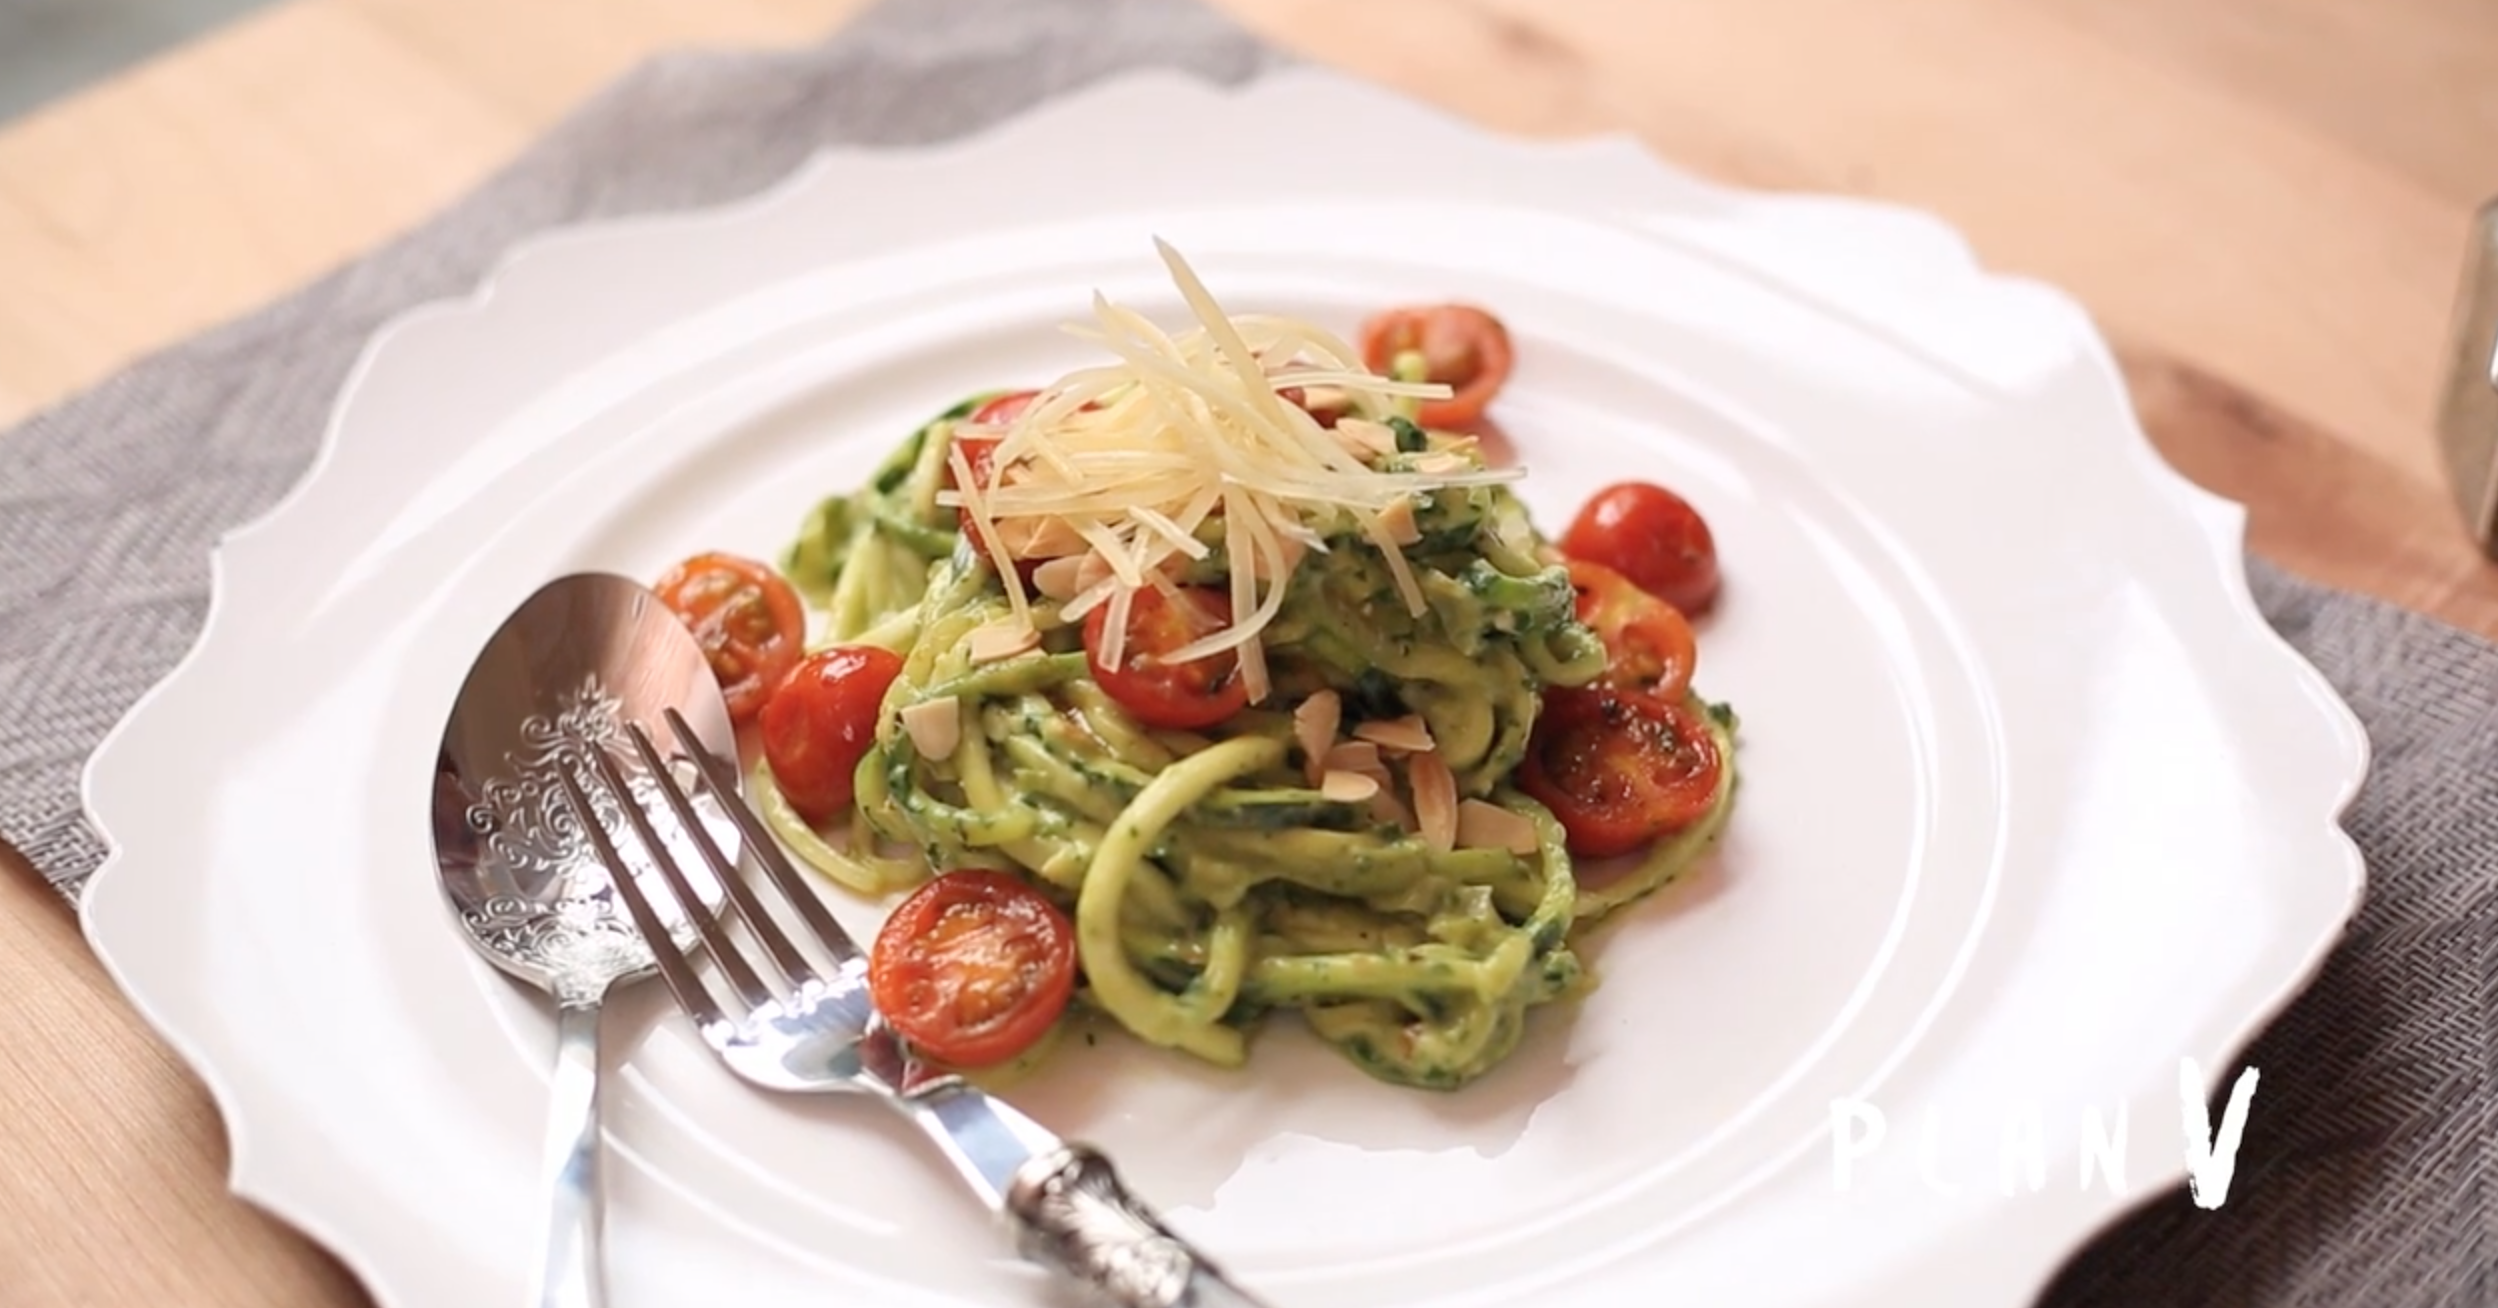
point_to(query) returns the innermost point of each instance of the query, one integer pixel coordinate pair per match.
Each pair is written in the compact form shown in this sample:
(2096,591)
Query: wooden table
(2263,201)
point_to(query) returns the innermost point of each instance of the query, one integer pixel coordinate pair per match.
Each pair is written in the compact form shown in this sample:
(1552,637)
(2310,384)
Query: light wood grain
(2263,201)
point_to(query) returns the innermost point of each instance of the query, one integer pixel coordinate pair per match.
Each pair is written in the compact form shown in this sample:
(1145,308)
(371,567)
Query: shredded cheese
(1184,446)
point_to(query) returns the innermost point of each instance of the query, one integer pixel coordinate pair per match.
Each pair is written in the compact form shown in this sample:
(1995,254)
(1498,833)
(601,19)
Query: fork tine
(767,850)
(691,994)
(742,978)
(793,964)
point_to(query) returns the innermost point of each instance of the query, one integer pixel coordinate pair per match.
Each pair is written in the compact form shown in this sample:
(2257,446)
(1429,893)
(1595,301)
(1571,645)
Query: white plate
(2035,804)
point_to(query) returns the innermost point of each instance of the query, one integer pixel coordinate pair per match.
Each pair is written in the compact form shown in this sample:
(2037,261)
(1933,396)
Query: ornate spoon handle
(1072,1213)
(569,1273)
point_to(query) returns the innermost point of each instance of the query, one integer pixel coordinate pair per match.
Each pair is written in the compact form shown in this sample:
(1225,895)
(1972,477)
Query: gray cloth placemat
(2366,1174)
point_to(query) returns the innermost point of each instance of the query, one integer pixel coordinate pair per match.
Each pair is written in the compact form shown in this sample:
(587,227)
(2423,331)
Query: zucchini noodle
(1217,876)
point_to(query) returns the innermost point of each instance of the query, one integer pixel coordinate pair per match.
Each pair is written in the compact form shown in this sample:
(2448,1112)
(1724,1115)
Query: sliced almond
(1398,521)
(1406,734)
(1347,787)
(1362,437)
(1314,726)
(1354,756)
(1485,825)
(1040,538)
(1060,578)
(935,726)
(1442,464)
(1002,639)
(1386,807)
(1435,799)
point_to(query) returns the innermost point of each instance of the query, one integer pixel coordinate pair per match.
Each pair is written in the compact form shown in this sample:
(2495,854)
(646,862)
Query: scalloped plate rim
(296,1199)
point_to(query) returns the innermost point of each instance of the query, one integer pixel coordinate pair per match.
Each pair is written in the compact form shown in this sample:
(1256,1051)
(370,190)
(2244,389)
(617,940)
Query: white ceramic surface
(2035,804)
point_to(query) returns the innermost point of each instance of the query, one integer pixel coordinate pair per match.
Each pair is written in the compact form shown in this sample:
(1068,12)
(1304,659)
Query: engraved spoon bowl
(556,682)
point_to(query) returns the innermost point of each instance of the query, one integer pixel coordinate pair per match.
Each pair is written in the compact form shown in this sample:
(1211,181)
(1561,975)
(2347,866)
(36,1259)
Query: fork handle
(1072,1213)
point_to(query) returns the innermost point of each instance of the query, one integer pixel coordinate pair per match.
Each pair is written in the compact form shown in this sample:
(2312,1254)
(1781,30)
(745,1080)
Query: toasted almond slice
(1314,726)
(935,726)
(1406,734)
(1059,578)
(1435,799)
(1363,437)
(1398,521)
(1040,538)
(1442,464)
(1485,825)
(1386,807)
(1002,639)
(1347,787)
(1355,756)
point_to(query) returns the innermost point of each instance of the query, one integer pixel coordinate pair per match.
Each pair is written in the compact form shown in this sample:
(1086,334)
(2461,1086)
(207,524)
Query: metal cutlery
(816,1030)
(551,689)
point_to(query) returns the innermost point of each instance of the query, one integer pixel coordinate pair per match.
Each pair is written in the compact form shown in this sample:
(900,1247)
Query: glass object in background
(2467,418)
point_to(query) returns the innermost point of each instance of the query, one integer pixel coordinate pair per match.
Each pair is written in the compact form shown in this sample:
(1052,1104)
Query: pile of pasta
(1349,842)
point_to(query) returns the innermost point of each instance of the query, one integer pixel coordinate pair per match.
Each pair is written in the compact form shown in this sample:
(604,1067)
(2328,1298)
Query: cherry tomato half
(1170,696)
(980,455)
(980,452)
(1003,409)
(1648,643)
(1652,536)
(1618,768)
(1460,345)
(820,723)
(973,967)
(746,618)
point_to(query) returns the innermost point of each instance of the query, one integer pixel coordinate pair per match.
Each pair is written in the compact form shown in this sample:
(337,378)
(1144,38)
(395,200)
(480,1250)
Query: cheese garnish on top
(1127,464)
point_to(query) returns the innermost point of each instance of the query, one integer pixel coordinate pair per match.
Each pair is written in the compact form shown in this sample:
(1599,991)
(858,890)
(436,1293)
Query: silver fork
(1064,1204)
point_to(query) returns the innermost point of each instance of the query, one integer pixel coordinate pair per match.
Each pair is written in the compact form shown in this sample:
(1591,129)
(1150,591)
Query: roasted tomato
(1648,644)
(746,618)
(1619,768)
(1171,696)
(973,967)
(1652,536)
(820,723)
(1459,344)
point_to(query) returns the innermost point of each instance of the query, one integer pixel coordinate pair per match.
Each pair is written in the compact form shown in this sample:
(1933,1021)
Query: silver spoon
(559,679)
